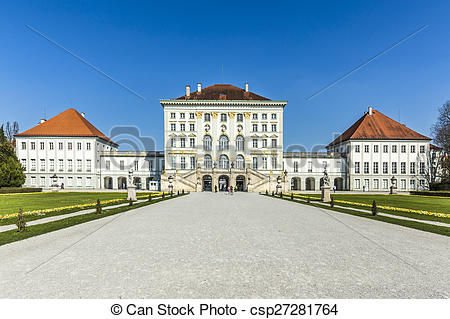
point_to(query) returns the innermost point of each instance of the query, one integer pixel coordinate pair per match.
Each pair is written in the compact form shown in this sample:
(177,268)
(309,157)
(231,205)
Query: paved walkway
(218,246)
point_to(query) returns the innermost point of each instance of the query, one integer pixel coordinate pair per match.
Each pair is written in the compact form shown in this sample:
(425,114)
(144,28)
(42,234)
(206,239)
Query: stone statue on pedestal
(326,197)
(131,188)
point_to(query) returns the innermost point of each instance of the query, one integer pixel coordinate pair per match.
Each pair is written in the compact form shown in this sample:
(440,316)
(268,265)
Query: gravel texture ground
(208,245)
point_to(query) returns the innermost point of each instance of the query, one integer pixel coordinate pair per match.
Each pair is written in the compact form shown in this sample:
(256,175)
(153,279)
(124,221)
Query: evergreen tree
(11,171)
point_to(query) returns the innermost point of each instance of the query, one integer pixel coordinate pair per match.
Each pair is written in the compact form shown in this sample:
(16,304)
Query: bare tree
(430,165)
(441,135)
(11,130)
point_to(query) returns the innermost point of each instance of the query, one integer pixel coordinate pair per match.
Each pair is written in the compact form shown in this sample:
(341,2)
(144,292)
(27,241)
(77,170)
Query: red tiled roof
(378,127)
(67,123)
(222,92)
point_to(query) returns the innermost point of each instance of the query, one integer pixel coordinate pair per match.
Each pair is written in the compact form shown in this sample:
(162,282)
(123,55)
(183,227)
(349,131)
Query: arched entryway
(224,182)
(339,183)
(108,184)
(137,182)
(207,183)
(122,182)
(240,183)
(295,184)
(310,184)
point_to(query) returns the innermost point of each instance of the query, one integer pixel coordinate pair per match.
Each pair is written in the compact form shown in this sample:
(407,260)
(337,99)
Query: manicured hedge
(431,193)
(8,190)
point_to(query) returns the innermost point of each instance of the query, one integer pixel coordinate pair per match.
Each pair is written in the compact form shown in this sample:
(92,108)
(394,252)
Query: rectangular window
(41,145)
(385,184)
(42,165)
(255,143)
(42,181)
(88,165)
(51,146)
(255,116)
(173,127)
(79,165)
(357,183)
(255,163)
(52,165)
(69,165)
(357,149)
(88,182)
(33,165)
(264,127)
(191,116)
(295,167)
(79,181)
(182,127)
(376,183)
(192,142)
(183,162)
(274,127)
(403,184)
(122,165)
(366,148)
(60,145)
(375,148)
(174,162)
(264,116)
(207,117)
(172,142)
(422,149)
(88,146)
(310,167)
(191,127)
(23,161)
(274,162)
(240,117)
(223,117)
(274,143)
(182,115)
(412,168)
(394,148)
(366,167)
(33,145)
(70,181)
(182,142)
(422,168)
(33,180)
(357,168)
(413,148)
(136,165)
(403,150)
(264,143)
(385,168)
(172,115)
(274,116)
(366,184)
(24,145)
(394,168)
(192,162)
(108,165)
(375,167)
(69,146)
(385,149)
(264,162)
(255,127)
(412,184)
(61,165)
(403,168)
(79,146)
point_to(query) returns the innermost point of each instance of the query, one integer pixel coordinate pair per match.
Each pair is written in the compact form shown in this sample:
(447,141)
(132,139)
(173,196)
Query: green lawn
(12,203)
(430,204)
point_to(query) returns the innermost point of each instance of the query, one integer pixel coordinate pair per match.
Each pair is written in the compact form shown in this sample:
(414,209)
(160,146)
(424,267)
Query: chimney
(42,121)
(370,110)
(199,87)
(246,87)
(188,90)
(83,114)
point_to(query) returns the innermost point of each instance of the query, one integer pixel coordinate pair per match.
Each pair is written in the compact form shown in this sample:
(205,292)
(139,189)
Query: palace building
(221,136)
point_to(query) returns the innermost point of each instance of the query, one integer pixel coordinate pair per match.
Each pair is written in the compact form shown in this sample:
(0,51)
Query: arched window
(207,143)
(239,161)
(223,161)
(223,143)
(239,143)
(207,161)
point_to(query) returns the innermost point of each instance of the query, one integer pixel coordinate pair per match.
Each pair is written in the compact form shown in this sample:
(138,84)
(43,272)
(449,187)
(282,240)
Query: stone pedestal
(393,190)
(326,198)
(131,192)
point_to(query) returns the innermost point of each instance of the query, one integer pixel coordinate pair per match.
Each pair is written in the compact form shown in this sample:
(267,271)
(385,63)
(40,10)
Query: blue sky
(284,50)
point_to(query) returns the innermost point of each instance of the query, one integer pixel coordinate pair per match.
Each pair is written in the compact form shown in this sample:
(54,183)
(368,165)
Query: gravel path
(218,246)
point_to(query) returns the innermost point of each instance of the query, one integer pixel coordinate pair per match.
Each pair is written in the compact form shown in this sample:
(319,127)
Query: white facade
(75,160)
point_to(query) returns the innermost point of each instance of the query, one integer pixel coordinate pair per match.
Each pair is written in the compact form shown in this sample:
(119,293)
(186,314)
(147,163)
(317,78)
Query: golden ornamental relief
(214,115)
(247,115)
(199,115)
(231,115)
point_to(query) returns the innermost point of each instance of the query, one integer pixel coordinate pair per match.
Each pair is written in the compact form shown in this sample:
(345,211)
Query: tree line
(11,171)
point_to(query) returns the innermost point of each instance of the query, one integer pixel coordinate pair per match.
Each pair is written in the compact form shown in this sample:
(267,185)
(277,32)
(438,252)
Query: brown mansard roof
(378,127)
(67,123)
(222,92)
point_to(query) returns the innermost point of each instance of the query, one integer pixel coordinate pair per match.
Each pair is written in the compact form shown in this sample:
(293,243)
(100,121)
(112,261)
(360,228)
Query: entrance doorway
(207,183)
(240,183)
(223,183)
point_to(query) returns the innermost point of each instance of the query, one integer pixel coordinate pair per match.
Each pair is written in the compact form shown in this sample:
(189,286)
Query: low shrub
(374,209)
(10,190)
(20,222)
(332,202)
(431,193)
(98,207)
